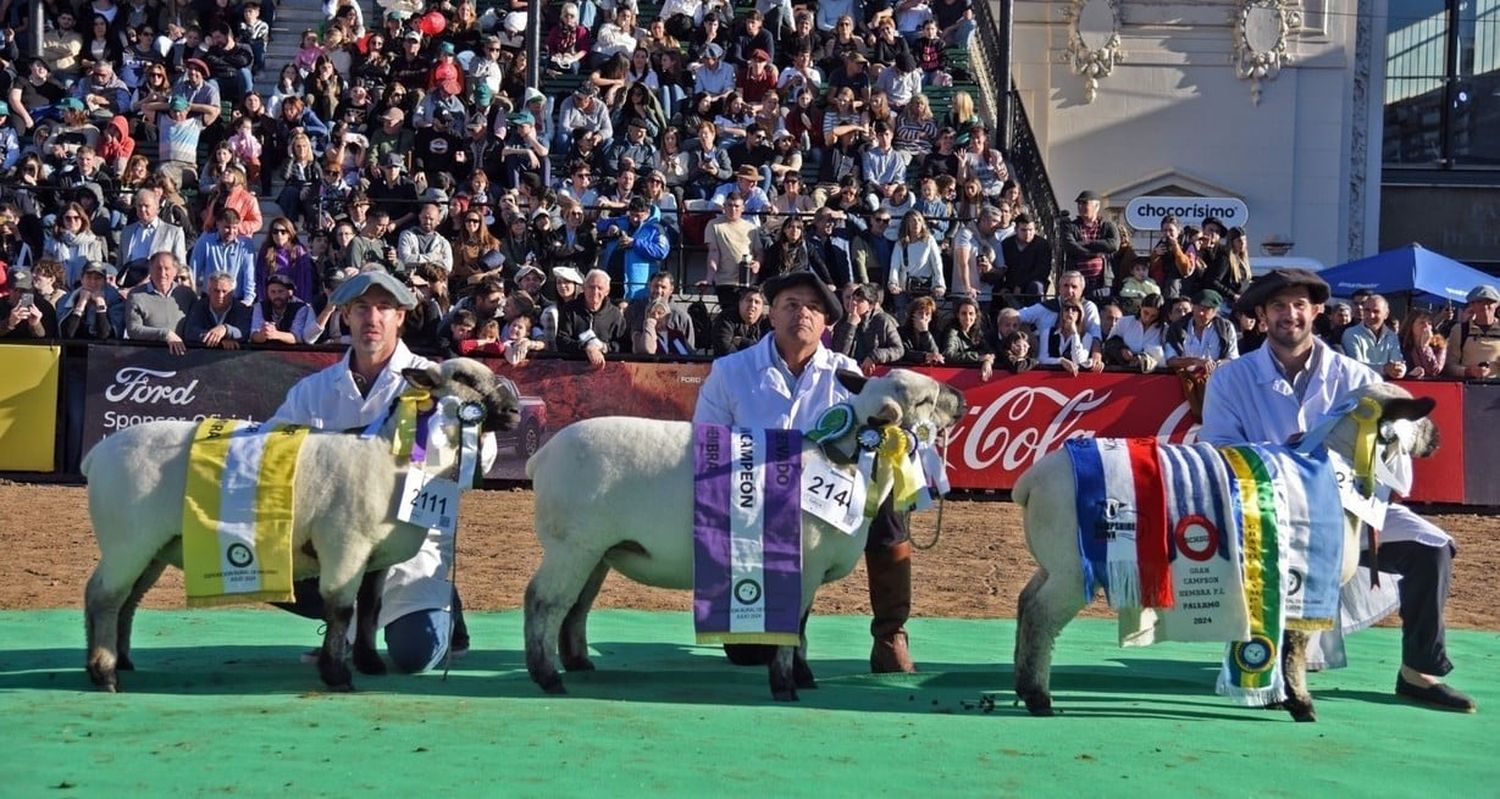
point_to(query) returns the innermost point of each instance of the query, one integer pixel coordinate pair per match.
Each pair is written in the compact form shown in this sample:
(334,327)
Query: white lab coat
(749,389)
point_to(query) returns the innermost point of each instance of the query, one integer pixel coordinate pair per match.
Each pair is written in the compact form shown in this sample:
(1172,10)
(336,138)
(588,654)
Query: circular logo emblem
(925,431)
(870,438)
(470,412)
(1196,537)
(239,556)
(835,422)
(1294,581)
(1255,656)
(747,591)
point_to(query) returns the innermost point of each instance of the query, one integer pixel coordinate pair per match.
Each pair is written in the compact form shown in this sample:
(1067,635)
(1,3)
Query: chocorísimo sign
(1147,212)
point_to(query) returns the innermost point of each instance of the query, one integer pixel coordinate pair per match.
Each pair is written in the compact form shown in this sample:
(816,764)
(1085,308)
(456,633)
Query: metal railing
(1013,128)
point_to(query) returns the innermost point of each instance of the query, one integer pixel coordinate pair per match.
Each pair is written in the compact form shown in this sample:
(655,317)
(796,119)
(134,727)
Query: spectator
(47,281)
(95,310)
(827,255)
(1028,263)
(1136,341)
(583,112)
(745,182)
(229,63)
(867,334)
(918,337)
(741,327)
(520,245)
(568,284)
(568,41)
(1338,316)
(423,244)
(590,325)
(1424,348)
(1069,343)
(157,310)
(734,252)
(277,318)
(476,254)
(72,242)
(1372,343)
(788,253)
(1474,343)
(201,95)
(232,195)
(283,254)
(977,248)
(62,45)
(24,311)
(635,245)
(422,331)
(916,263)
(713,77)
(102,93)
(965,342)
(1088,242)
(1198,343)
(226,251)
(145,237)
(216,320)
(658,325)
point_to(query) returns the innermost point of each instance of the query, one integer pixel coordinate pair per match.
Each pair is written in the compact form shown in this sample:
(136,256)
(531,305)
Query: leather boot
(890,602)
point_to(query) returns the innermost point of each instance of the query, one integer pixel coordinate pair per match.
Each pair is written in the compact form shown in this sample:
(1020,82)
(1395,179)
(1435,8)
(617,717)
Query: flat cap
(833,310)
(356,287)
(1266,286)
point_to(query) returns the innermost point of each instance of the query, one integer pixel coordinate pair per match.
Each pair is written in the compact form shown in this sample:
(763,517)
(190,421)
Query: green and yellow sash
(237,513)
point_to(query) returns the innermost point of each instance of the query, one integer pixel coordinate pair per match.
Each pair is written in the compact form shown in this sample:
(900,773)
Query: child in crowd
(460,332)
(246,147)
(1139,284)
(308,55)
(254,32)
(518,341)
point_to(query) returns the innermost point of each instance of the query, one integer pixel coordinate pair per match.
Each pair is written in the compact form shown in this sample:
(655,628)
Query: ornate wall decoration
(1262,34)
(1093,42)
(1359,142)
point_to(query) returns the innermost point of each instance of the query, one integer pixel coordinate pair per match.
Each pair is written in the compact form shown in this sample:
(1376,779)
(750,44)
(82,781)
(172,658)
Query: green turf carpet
(221,706)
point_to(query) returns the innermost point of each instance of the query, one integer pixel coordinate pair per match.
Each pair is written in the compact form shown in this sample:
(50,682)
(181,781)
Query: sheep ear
(853,381)
(1411,409)
(428,378)
(889,413)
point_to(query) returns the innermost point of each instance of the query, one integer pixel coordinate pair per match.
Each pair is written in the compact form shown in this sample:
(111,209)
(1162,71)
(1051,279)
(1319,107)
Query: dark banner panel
(1481,443)
(1013,420)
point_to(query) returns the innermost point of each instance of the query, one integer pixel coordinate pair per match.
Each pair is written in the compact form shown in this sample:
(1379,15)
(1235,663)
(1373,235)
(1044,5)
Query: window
(1442,83)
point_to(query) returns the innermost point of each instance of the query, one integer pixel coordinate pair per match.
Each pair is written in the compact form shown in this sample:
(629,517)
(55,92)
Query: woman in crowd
(301,177)
(640,103)
(72,243)
(47,280)
(324,88)
(174,207)
(519,246)
(916,263)
(788,253)
(917,335)
(220,161)
(231,193)
(654,189)
(966,342)
(283,254)
(476,254)
(102,45)
(1424,348)
(154,88)
(1136,341)
(289,84)
(915,128)
(1069,344)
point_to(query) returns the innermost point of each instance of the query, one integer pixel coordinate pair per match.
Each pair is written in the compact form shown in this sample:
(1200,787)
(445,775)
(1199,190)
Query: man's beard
(1289,339)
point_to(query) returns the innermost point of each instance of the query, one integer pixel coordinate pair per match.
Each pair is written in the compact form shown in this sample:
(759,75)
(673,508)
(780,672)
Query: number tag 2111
(428,501)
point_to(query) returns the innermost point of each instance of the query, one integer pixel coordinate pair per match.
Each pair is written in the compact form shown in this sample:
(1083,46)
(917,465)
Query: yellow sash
(237,513)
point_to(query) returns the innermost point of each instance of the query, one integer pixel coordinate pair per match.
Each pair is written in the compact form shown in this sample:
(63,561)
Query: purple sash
(747,535)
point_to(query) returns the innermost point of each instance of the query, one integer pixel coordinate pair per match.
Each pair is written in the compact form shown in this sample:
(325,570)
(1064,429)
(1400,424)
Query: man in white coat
(419,603)
(787,381)
(1284,388)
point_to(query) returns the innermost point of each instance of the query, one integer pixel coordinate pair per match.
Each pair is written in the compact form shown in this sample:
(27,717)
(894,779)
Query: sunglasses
(280,231)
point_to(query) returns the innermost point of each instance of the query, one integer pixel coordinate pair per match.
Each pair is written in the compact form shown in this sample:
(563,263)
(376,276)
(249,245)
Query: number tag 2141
(428,501)
(834,495)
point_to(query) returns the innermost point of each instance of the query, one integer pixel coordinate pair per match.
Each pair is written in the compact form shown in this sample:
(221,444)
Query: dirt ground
(976,569)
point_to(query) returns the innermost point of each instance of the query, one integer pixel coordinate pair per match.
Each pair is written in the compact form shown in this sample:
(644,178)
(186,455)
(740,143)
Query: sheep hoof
(578,664)
(369,662)
(335,674)
(802,675)
(1301,711)
(124,664)
(1038,703)
(108,683)
(785,695)
(553,686)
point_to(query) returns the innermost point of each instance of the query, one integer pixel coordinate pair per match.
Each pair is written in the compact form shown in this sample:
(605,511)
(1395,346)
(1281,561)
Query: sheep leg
(783,683)
(573,642)
(1294,672)
(802,673)
(333,658)
(127,613)
(101,609)
(553,591)
(1046,606)
(367,612)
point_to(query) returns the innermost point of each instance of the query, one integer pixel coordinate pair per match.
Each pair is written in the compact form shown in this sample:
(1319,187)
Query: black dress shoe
(1441,696)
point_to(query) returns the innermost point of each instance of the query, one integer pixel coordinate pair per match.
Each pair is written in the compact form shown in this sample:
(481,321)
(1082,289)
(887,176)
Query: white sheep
(344,527)
(617,493)
(1054,594)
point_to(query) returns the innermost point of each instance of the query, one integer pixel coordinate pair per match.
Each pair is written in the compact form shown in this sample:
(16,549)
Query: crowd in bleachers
(670,159)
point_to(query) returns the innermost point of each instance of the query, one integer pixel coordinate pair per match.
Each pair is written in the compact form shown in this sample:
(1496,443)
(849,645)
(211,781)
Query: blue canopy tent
(1413,268)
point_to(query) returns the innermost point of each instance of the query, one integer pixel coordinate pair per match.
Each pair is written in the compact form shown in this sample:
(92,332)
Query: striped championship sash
(237,513)
(1251,674)
(1119,496)
(747,535)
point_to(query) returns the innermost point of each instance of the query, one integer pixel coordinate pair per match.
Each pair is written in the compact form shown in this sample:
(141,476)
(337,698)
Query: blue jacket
(648,249)
(211,254)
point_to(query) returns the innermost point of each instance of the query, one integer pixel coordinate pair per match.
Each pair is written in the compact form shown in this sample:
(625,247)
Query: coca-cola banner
(1016,419)
(129,385)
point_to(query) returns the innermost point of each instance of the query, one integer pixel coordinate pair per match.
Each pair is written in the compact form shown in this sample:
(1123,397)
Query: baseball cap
(281,279)
(4,109)
(521,118)
(413,36)
(1087,196)
(393,159)
(356,287)
(179,103)
(100,267)
(1208,298)
(713,51)
(71,104)
(529,269)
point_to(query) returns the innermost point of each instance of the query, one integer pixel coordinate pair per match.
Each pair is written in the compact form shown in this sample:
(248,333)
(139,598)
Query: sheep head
(1404,429)
(468,380)
(903,397)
